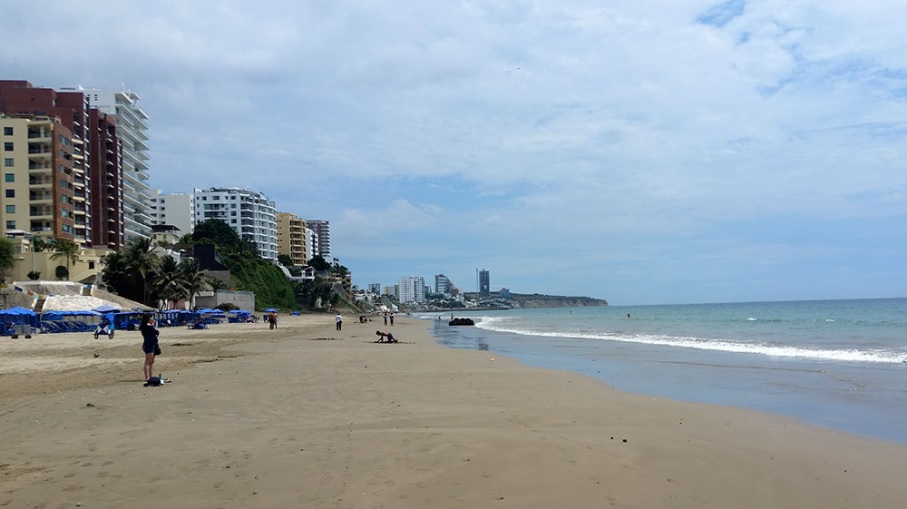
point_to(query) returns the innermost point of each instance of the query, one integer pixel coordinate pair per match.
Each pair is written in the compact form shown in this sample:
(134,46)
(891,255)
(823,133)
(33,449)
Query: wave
(499,324)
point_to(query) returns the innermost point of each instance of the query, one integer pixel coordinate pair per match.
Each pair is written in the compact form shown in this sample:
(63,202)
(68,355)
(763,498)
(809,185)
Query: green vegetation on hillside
(272,289)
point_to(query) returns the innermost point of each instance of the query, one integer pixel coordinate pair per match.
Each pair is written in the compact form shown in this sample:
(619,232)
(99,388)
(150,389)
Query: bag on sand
(154,381)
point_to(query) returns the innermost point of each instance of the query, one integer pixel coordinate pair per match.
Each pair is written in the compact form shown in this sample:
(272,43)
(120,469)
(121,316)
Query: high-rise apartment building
(251,215)
(97,186)
(132,128)
(484,283)
(412,289)
(106,185)
(322,230)
(176,209)
(20,99)
(291,237)
(36,188)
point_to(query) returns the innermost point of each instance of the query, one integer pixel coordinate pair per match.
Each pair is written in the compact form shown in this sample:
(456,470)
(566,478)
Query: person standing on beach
(392,318)
(385,318)
(149,343)
(339,320)
(272,319)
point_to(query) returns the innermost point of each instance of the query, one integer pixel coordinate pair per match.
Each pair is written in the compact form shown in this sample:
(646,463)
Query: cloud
(512,135)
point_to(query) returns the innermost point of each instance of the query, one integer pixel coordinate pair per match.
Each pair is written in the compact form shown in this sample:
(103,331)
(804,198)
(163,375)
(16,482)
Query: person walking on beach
(149,343)
(272,320)
(385,318)
(392,318)
(339,320)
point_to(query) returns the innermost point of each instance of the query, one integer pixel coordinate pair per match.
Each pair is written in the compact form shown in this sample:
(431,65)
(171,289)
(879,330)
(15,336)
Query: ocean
(840,364)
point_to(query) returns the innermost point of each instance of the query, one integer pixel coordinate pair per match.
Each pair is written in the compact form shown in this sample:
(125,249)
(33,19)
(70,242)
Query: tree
(215,284)
(61,272)
(192,277)
(119,277)
(285,260)
(67,250)
(216,232)
(143,261)
(7,257)
(38,244)
(166,283)
(319,264)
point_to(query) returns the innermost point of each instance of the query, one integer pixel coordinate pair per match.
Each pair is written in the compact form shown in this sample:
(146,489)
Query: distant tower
(484,283)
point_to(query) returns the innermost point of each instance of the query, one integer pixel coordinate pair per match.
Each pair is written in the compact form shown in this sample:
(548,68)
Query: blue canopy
(106,308)
(270,310)
(56,315)
(17,311)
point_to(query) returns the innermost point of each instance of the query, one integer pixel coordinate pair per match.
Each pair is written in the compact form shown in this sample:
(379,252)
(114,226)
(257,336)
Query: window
(10,225)
(90,265)
(8,146)
(9,177)
(10,209)
(10,193)
(9,162)
(8,131)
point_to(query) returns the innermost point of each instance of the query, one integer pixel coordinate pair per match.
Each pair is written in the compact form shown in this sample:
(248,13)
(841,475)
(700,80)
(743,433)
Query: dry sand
(306,416)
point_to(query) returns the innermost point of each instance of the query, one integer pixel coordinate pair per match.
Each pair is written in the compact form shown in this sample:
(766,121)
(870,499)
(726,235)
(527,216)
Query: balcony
(39,198)
(41,214)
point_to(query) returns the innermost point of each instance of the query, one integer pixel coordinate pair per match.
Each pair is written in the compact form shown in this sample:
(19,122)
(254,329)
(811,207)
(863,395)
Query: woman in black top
(149,343)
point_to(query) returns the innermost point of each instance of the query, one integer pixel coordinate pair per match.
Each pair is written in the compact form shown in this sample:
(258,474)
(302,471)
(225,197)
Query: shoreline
(306,414)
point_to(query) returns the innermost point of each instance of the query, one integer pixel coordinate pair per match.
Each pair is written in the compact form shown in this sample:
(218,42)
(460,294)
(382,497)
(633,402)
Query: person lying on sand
(385,335)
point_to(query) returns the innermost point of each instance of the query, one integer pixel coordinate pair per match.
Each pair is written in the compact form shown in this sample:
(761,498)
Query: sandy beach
(307,416)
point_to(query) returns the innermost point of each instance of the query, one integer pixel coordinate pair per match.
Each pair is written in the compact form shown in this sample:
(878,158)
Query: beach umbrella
(270,310)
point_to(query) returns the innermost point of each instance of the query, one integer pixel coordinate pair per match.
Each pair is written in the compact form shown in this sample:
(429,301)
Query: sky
(640,152)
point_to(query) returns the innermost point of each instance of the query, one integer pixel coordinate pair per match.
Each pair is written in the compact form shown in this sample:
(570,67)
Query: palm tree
(192,277)
(65,249)
(143,262)
(166,283)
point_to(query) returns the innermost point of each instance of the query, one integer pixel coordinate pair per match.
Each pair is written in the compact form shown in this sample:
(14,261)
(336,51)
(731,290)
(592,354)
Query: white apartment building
(412,289)
(322,239)
(132,127)
(251,215)
(176,209)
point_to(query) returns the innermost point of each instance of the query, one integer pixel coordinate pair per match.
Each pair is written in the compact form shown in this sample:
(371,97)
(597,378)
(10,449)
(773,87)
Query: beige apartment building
(291,237)
(36,187)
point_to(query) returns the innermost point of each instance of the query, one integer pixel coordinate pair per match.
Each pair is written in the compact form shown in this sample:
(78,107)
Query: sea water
(840,364)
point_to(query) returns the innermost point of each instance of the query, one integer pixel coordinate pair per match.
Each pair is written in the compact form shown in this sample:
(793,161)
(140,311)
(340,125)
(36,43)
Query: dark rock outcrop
(461,321)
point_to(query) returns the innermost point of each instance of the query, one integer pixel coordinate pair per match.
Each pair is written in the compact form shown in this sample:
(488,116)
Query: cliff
(535,300)
(554,301)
